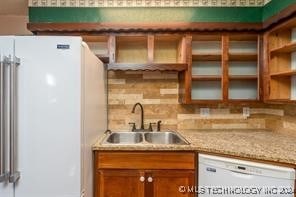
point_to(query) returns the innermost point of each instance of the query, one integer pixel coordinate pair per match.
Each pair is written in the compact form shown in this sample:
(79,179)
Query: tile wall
(158,92)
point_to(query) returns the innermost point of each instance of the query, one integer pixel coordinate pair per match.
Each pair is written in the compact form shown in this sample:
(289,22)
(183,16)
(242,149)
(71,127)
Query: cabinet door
(165,183)
(120,183)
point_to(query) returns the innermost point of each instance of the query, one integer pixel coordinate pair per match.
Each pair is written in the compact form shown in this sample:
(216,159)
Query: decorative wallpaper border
(147,3)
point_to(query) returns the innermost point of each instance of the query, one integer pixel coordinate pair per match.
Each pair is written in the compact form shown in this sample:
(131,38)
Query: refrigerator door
(49,116)
(6,49)
(95,112)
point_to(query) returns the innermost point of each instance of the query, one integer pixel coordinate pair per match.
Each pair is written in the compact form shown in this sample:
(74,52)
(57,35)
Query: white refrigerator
(53,107)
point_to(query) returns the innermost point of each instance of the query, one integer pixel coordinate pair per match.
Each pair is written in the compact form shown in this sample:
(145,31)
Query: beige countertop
(253,144)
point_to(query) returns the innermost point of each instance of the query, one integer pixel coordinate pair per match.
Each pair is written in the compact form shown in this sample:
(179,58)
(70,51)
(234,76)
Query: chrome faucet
(142,114)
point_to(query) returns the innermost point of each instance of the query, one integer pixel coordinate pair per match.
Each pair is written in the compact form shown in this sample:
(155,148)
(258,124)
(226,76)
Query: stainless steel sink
(165,138)
(124,138)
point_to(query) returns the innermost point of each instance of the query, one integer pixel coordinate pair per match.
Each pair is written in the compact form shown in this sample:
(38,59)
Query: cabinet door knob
(150,179)
(142,179)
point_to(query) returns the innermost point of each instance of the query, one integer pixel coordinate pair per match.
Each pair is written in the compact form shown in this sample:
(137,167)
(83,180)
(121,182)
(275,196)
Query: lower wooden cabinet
(134,183)
(169,183)
(151,178)
(120,183)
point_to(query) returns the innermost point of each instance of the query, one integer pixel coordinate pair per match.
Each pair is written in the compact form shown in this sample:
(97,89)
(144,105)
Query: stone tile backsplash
(158,92)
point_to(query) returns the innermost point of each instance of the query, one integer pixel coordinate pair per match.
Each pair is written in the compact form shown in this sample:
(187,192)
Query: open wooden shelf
(215,68)
(206,77)
(284,74)
(147,66)
(243,56)
(243,77)
(288,48)
(131,49)
(281,49)
(167,49)
(206,57)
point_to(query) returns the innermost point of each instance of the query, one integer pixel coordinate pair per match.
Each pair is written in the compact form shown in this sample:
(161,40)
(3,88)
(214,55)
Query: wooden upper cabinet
(224,68)
(213,67)
(280,63)
(147,52)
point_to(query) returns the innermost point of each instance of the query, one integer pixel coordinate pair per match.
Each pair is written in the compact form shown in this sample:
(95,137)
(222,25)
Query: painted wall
(14,25)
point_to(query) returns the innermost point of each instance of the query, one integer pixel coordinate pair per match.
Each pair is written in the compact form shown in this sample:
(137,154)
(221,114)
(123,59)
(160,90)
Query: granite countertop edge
(259,144)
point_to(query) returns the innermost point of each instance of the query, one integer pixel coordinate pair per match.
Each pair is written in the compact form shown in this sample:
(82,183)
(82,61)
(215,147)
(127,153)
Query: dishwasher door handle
(241,174)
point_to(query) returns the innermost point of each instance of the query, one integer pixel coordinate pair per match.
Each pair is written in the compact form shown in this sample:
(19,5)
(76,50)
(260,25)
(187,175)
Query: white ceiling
(13,7)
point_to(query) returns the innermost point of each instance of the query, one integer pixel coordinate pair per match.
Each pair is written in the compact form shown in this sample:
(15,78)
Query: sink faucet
(142,114)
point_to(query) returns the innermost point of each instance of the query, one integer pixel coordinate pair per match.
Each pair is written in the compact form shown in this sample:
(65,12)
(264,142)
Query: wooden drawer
(145,160)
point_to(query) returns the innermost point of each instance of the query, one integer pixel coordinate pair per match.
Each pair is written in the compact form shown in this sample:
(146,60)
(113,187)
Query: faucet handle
(150,126)
(158,125)
(133,125)
(108,131)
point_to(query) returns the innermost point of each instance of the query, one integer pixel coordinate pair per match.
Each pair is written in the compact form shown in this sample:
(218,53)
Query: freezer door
(95,112)
(49,116)
(6,49)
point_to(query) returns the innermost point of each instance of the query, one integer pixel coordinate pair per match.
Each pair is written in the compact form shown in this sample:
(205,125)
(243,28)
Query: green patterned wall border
(274,7)
(163,14)
(51,14)
(146,3)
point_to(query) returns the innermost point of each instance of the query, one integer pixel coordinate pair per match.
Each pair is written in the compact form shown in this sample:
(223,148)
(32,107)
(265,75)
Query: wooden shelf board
(206,77)
(206,37)
(243,77)
(204,101)
(284,74)
(238,101)
(243,57)
(174,37)
(89,38)
(279,101)
(284,49)
(243,37)
(244,100)
(128,38)
(148,66)
(206,57)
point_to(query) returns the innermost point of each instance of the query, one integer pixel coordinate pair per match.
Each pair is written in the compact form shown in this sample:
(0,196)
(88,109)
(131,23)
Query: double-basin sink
(126,138)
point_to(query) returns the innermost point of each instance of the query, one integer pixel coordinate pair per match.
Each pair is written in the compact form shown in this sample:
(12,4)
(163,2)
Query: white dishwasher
(225,177)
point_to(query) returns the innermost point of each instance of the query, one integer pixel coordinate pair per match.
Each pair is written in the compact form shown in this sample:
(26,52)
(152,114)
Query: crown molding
(147,3)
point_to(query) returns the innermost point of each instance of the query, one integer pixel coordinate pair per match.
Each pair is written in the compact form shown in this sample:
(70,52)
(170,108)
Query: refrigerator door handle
(14,174)
(3,175)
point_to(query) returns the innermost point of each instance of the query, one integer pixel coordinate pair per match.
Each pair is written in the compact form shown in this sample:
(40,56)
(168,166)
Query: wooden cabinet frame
(224,57)
(148,171)
(278,71)
(150,62)
(184,59)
